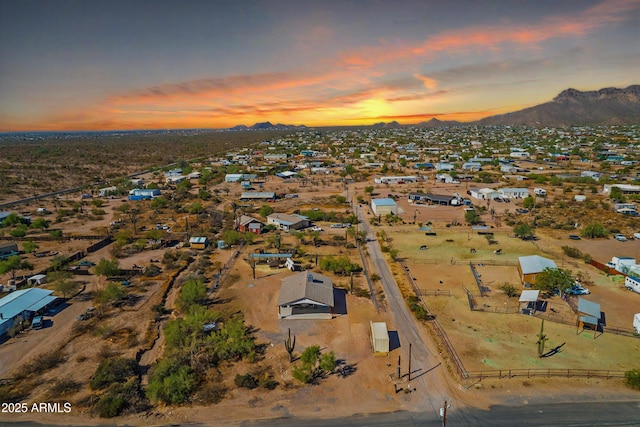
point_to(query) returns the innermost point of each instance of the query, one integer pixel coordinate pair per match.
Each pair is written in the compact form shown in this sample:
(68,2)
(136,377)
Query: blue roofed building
(21,305)
(143,193)
(384,206)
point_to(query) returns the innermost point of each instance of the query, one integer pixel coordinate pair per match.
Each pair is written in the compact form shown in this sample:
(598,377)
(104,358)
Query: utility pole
(443,413)
(409,380)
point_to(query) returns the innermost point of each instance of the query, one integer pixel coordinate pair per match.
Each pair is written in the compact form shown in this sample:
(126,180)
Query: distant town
(388,266)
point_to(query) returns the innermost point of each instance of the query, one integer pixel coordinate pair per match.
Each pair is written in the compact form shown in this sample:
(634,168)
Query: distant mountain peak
(572,107)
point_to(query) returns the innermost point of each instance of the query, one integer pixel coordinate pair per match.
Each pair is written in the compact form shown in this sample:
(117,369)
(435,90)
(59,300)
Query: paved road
(432,385)
(584,414)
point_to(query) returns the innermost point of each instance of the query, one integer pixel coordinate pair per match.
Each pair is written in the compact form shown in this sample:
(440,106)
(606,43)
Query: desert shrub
(594,230)
(151,271)
(171,382)
(41,363)
(363,293)
(110,405)
(246,381)
(509,289)
(418,310)
(115,370)
(121,397)
(632,378)
(572,252)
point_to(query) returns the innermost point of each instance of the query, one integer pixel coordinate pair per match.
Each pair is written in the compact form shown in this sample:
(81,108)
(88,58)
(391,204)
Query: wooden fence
(495,262)
(546,373)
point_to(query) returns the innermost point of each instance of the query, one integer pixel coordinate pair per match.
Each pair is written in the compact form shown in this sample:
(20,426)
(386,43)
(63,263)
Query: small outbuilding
(198,242)
(384,206)
(38,279)
(379,338)
(589,314)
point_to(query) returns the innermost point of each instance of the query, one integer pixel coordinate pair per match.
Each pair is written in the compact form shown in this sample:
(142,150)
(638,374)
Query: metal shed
(379,338)
(589,314)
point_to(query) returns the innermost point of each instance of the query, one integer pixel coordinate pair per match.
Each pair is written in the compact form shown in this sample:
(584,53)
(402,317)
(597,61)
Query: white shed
(379,338)
(38,279)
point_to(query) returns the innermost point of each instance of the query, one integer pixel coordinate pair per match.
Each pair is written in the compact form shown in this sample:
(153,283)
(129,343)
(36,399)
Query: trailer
(632,283)
(636,322)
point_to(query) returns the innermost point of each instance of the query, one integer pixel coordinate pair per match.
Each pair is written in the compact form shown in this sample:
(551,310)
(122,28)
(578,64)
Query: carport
(530,299)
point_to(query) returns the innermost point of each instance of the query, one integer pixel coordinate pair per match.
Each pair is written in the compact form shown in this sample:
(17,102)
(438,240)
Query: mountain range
(267,126)
(604,107)
(608,106)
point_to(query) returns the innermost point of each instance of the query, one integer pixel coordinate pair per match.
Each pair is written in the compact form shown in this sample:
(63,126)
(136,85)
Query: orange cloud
(428,82)
(491,37)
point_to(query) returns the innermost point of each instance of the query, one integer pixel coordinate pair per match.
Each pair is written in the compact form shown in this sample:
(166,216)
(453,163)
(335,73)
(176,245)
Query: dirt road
(429,377)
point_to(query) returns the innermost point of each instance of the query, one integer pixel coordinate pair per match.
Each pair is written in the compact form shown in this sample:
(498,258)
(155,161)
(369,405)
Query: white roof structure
(535,264)
(529,296)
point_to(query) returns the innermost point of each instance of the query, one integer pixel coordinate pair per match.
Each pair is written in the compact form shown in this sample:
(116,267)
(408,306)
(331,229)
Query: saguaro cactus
(290,345)
(542,339)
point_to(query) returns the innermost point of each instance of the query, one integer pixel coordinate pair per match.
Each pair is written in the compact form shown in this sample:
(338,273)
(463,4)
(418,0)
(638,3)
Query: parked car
(522,211)
(574,237)
(620,237)
(577,289)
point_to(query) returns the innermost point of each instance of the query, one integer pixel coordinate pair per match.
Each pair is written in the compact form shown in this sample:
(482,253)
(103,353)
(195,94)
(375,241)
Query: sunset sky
(126,64)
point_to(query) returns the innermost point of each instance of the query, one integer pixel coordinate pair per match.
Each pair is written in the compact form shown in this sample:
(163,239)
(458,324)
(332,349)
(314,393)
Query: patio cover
(529,296)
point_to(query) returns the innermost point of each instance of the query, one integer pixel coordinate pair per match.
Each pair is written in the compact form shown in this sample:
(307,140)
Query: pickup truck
(620,237)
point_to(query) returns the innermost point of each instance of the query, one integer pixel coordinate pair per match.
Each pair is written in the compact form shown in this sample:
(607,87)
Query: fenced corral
(471,299)
(436,293)
(451,351)
(544,373)
(556,318)
(435,261)
(478,280)
(438,330)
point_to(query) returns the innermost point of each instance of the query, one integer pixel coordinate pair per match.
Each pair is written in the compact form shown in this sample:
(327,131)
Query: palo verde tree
(13,264)
(107,267)
(594,231)
(550,279)
(523,230)
(314,365)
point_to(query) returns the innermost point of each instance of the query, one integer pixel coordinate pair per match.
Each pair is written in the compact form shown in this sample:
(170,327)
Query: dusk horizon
(77,66)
